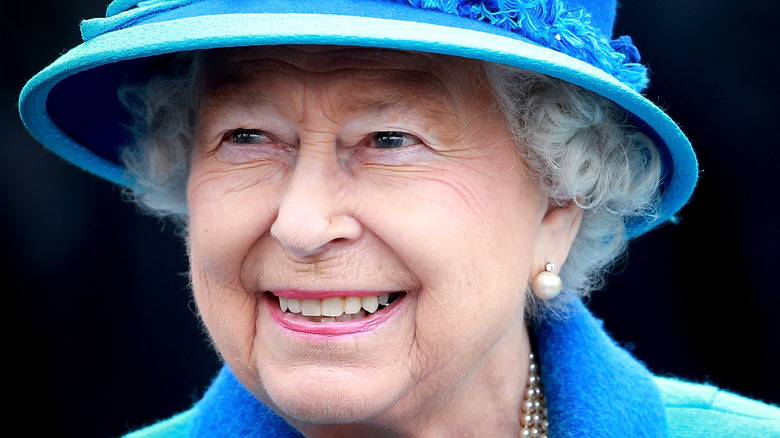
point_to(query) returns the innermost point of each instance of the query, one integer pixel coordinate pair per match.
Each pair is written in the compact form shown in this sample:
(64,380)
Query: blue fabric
(592,385)
(697,410)
(229,410)
(72,107)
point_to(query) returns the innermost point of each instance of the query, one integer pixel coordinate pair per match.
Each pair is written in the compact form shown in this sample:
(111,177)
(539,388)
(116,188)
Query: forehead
(376,77)
(242,61)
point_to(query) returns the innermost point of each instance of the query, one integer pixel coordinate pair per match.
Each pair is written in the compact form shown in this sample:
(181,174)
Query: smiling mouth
(337,309)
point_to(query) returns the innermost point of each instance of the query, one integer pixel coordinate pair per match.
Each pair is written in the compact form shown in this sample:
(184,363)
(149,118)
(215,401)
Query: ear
(557,231)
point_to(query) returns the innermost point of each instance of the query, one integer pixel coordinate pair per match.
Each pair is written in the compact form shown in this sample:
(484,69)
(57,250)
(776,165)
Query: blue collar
(593,387)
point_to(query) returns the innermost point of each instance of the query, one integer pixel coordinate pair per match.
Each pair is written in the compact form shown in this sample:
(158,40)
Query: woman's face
(324,178)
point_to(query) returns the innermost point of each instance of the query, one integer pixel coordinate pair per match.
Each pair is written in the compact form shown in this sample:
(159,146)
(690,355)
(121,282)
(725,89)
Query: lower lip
(332,329)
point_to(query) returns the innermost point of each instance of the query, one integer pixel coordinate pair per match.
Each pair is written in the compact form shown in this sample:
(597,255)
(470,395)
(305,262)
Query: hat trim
(545,22)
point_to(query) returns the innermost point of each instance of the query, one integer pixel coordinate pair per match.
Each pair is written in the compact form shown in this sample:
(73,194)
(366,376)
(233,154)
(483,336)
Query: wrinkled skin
(297,185)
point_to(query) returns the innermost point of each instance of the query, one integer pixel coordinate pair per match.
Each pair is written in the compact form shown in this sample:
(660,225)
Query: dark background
(101,334)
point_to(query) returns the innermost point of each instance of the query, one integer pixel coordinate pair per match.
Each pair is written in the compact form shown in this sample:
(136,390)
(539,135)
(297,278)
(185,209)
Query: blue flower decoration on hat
(565,27)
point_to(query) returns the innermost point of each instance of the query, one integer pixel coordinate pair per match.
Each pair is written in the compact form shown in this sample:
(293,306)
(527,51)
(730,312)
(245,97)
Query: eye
(394,140)
(247,136)
(244,145)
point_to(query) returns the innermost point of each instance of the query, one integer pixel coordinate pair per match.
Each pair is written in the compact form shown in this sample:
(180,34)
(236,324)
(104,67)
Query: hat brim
(72,108)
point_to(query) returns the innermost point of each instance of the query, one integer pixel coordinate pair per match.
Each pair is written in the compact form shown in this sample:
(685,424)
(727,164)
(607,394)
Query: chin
(329,397)
(344,378)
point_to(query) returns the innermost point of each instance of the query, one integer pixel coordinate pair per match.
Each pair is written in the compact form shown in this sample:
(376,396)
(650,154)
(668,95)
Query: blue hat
(72,106)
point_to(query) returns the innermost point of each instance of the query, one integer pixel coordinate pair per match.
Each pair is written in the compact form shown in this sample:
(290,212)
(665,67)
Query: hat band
(549,23)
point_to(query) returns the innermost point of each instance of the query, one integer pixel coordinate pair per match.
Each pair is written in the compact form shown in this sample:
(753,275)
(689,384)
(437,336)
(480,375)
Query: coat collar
(593,387)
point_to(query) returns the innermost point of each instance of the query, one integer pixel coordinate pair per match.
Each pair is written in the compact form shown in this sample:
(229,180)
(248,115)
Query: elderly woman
(392,208)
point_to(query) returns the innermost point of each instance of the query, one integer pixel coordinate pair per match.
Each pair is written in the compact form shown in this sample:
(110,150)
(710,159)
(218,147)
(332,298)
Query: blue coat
(593,388)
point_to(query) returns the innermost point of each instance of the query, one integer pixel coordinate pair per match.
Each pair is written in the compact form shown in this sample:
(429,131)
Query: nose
(314,211)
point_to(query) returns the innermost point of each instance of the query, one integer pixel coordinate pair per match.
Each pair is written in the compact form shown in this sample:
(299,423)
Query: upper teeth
(333,307)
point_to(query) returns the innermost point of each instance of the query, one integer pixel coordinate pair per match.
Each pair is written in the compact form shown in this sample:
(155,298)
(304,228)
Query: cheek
(229,315)
(223,227)
(468,236)
(228,211)
(457,213)
(471,259)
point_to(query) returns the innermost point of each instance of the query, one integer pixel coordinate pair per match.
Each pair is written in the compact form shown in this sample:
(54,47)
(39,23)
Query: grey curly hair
(578,144)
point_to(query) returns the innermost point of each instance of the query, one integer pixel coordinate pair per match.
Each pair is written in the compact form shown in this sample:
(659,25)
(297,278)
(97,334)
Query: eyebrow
(419,102)
(422,104)
(233,93)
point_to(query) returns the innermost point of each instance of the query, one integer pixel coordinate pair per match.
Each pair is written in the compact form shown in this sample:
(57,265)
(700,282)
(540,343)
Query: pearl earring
(547,284)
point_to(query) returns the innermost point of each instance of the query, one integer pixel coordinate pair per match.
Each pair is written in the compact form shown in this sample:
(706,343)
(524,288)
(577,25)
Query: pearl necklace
(534,416)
